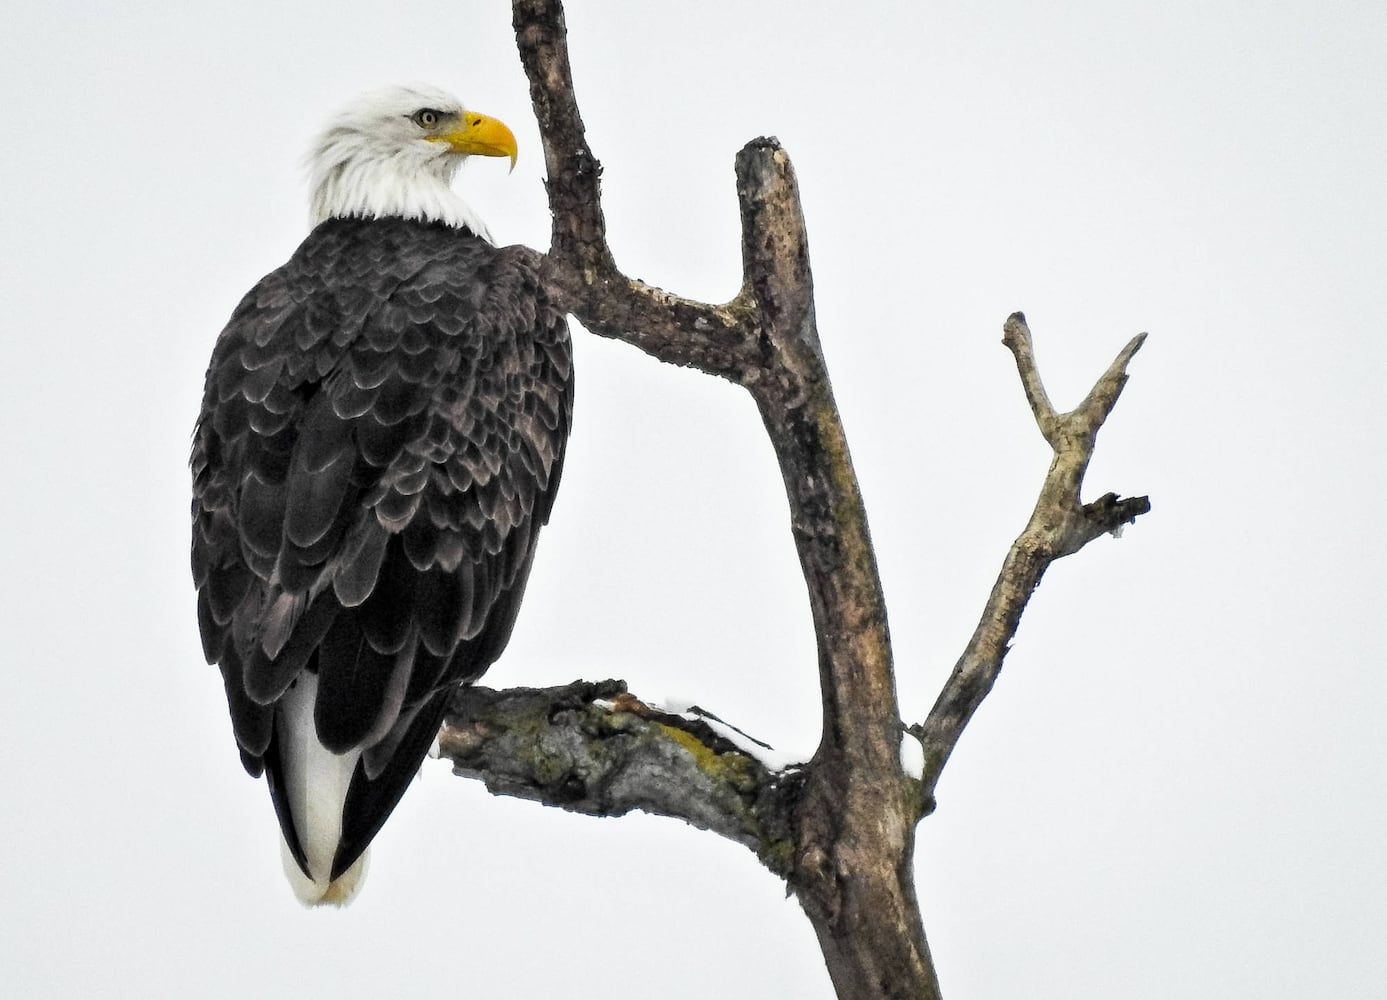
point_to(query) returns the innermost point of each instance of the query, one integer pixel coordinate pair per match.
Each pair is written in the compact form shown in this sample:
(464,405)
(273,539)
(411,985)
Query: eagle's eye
(426,117)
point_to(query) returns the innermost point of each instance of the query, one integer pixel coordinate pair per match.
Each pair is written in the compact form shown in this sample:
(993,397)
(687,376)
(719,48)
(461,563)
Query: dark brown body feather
(380,440)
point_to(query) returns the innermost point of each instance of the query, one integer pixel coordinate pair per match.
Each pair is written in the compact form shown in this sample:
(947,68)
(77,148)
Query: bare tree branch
(592,748)
(840,829)
(1059,526)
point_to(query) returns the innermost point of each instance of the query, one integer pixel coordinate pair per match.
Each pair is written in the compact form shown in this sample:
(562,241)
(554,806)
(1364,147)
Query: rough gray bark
(591,748)
(840,829)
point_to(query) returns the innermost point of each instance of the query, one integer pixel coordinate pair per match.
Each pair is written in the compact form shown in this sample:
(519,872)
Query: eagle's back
(381,436)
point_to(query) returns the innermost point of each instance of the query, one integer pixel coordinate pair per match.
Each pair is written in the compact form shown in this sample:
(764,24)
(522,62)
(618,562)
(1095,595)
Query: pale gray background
(1177,786)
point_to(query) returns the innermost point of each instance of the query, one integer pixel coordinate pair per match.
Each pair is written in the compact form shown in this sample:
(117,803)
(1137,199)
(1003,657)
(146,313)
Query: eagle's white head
(394,152)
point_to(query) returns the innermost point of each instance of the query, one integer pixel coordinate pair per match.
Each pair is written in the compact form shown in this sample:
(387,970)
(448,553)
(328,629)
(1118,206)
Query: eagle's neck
(346,183)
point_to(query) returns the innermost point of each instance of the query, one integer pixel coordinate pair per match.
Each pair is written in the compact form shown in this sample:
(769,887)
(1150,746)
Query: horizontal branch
(658,322)
(592,748)
(1059,526)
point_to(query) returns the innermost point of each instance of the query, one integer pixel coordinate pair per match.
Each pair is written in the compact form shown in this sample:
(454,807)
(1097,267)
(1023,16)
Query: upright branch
(1060,525)
(853,871)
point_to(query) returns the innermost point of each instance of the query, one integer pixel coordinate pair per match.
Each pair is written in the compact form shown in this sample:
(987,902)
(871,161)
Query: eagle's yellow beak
(481,135)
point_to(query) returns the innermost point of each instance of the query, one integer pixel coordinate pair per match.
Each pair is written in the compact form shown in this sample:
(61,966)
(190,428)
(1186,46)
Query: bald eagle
(381,437)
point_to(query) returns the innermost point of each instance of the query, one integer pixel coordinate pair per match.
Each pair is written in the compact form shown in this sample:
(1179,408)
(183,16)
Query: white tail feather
(315,783)
(335,893)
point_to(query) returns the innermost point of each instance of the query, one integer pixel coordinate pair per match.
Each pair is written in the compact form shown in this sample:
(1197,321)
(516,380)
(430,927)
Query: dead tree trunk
(841,828)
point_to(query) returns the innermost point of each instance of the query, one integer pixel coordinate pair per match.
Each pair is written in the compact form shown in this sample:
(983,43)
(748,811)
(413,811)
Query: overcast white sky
(1177,787)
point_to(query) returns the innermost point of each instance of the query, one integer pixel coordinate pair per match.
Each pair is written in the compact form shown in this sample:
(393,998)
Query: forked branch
(583,275)
(1060,525)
